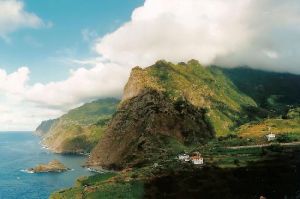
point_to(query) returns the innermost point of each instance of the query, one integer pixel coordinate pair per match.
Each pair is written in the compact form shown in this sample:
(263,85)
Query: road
(263,145)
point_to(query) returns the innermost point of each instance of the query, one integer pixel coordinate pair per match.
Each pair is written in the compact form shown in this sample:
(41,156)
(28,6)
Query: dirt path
(263,145)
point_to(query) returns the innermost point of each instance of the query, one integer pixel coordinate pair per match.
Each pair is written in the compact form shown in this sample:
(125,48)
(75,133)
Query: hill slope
(270,90)
(80,129)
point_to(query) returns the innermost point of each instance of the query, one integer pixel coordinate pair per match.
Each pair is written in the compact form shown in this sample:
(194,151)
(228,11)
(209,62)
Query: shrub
(274,148)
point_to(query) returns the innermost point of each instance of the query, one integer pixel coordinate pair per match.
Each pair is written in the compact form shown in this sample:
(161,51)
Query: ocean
(21,150)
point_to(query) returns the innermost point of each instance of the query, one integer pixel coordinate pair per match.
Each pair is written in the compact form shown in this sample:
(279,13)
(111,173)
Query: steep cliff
(45,127)
(145,126)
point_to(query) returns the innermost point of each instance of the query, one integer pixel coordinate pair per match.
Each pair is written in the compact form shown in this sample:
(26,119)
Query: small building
(197,159)
(271,137)
(184,157)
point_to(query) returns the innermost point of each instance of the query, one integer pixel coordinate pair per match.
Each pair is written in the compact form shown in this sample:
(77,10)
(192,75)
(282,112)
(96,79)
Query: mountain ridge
(159,91)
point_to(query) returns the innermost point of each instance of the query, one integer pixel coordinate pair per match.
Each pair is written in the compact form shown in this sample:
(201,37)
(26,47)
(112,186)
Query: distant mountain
(80,129)
(45,127)
(270,90)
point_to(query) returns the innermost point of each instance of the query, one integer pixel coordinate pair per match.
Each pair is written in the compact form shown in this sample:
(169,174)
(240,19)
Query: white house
(196,158)
(184,157)
(271,137)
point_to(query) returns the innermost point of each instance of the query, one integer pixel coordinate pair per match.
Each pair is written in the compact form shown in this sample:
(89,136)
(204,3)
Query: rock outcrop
(143,127)
(53,166)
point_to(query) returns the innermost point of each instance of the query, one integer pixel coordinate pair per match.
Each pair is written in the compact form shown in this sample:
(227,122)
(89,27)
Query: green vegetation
(93,112)
(274,91)
(235,140)
(203,87)
(293,113)
(108,185)
(288,137)
(168,109)
(132,183)
(258,130)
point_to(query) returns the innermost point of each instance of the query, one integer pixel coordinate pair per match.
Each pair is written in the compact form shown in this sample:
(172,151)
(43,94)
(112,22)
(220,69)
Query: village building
(197,159)
(184,157)
(271,137)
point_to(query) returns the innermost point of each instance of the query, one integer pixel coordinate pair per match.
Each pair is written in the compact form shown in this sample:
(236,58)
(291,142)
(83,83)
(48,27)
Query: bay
(21,150)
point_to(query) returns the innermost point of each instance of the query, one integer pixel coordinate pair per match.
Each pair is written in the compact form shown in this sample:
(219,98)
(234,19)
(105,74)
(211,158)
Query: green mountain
(167,107)
(80,129)
(205,87)
(270,90)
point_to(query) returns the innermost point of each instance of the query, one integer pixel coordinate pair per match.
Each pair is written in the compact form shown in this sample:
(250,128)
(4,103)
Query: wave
(26,171)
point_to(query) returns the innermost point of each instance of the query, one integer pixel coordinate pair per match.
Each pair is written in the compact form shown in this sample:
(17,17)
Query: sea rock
(53,166)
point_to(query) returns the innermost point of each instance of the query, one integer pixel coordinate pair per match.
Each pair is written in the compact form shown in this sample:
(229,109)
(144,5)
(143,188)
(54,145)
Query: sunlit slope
(80,129)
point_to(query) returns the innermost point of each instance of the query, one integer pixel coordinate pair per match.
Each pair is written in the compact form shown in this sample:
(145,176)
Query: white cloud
(271,54)
(102,80)
(23,106)
(16,113)
(13,16)
(233,32)
(13,83)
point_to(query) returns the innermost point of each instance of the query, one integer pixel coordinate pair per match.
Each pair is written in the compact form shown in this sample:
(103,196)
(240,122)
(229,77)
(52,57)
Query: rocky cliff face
(139,80)
(143,127)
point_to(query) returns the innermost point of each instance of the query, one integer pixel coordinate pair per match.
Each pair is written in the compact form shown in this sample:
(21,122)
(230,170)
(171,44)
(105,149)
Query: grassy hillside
(269,89)
(276,126)
(293,113)
(204,87)
(81,128)
(93,112)
(286,130)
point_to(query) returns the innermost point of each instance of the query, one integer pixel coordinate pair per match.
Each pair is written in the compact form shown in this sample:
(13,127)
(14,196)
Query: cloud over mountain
(261,34)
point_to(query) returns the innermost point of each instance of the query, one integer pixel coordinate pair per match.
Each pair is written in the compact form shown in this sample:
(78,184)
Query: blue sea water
(21,150)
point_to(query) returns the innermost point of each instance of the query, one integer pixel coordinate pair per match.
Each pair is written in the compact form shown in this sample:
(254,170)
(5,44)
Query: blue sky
(58,54)
(46,50)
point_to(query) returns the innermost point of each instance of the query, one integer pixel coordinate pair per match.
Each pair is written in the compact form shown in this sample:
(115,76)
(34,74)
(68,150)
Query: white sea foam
(26,171)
